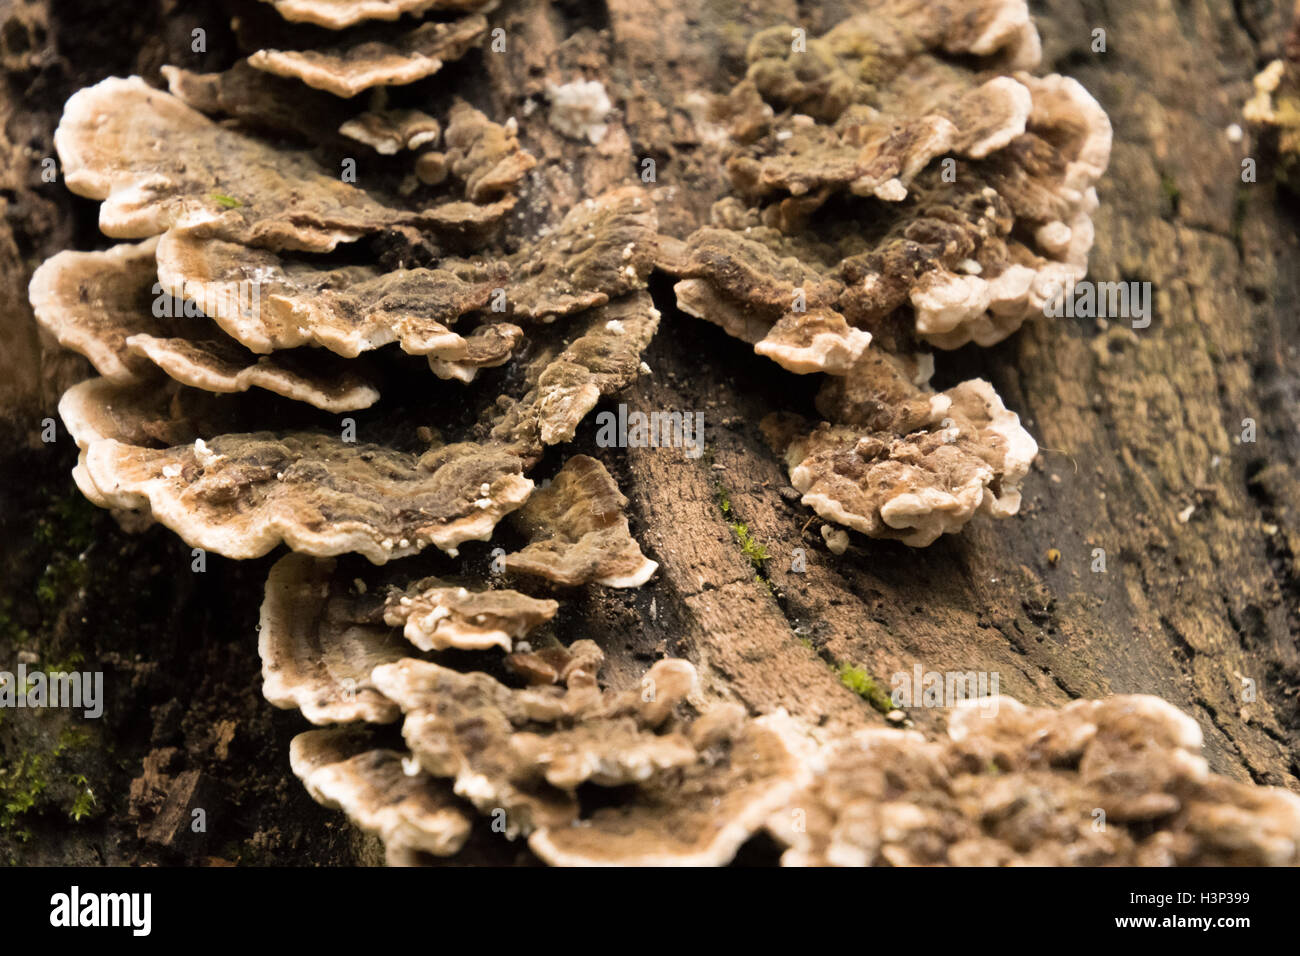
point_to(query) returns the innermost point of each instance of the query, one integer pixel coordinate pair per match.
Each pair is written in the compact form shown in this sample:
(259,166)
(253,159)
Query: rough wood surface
(1137,426)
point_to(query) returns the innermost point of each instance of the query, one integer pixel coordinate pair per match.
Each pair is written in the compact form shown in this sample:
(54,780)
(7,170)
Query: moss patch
(21,786)
(755,551)
(862,684)
(1173,196)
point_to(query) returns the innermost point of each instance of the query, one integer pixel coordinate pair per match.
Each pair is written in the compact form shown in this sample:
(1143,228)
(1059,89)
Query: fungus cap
(346,69)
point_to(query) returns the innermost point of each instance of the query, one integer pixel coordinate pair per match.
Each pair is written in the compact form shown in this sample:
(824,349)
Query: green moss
(84,804)
(21,785)
(1169,189)
(860,682)
(64,532)
(41,780)
(47,764)
(72,738)
(756,552)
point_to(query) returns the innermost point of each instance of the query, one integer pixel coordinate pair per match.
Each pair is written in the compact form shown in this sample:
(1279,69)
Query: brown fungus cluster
(228,291)
(1008,784)
(1113,782)
(902,182)
(696,787)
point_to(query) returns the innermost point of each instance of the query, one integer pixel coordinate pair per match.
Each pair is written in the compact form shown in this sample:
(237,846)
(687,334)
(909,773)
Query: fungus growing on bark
(1018,785)
(691,792)
(867,111)
(338,14)
(902,183)
(555,664)
(602,361)
(604,248)
(323,631)
(411,814)
(92,302)
(223,366)
(245,492)
(601,357)
(945,243)
(578,531)
(347,68)
(261,101)
(484,736)
(488,346)
(103,305)
(347,310)
(817,341)
(241,494)
(96,411)
(319,642)
(698,816)
(486,156)
(435,615)
(898,462)
(211,181)
(388,131)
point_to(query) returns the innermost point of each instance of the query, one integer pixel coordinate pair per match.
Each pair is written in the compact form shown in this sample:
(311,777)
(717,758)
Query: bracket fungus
(319,643)
(896,798)
(483,736)
(486,156)
(578,531)
(411,814)
(224,366)
(897,461)
(347,310)
(435,615)
(388,131)
(604,248)
(322,632)
(261,101)
(105,305)
(902,183)
(92,302)
(689,791)
(210,180)
(349,67)
(338,14)
(238,265)
(241,494)
(973,245)
(697,788)
(952,193)
(699,816)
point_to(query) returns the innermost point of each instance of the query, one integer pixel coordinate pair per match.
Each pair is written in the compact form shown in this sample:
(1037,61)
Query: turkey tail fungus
(651,435)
